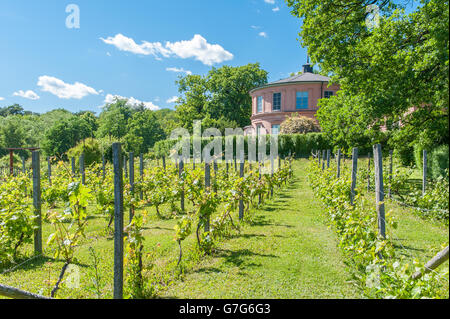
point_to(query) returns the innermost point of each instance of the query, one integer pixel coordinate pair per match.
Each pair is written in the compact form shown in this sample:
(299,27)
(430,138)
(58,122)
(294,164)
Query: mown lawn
(286,251)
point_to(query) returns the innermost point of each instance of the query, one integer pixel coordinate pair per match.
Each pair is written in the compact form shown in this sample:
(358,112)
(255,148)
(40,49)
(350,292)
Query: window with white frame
(276,103)
(260,104)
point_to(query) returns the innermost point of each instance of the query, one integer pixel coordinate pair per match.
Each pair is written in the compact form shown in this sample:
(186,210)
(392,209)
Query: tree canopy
(221,97)
(386,68)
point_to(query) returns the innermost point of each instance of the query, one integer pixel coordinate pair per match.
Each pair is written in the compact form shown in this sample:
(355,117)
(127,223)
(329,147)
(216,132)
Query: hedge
(299,144)
(437,160)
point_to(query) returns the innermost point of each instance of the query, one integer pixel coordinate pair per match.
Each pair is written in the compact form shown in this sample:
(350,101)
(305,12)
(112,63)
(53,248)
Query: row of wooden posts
(119,166)
(325,155)
(120,170)
(437,260)
(355,154)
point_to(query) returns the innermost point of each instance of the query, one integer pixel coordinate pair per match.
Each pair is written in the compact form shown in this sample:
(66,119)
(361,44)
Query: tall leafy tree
(221,96)
(393,73)
(113,119)
(12,133)
(143,131)
(14,109)
(65,134)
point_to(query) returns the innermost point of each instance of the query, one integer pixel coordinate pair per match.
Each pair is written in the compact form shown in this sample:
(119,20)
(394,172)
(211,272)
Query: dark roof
(304,77)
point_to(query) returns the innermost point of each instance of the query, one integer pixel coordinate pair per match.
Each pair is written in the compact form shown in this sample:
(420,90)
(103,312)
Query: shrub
(299,144)
(4,161)
(439,161)
(297,124)
(405,154)
(91,149)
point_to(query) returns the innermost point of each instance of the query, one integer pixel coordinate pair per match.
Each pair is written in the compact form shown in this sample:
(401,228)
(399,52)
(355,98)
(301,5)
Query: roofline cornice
(285,84)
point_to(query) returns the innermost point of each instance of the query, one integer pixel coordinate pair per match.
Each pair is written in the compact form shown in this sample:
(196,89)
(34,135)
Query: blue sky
(133,48)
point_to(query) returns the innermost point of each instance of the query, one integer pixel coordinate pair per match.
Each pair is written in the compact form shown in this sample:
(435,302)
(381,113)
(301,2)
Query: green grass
(287,251)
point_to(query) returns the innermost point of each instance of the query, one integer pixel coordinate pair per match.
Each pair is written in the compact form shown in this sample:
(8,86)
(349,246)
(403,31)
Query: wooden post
(164,162)
(379,189)
(207,188)
(259,177)
(37,201)
(11,162)
(141,173)
(103,166)
(338,174)
(83,176)
(390,173)
(323,159)
(435,262)
(131,162)
(368,173)
(15,293)
(227,165)
(180,175)
(424,178)
(125,166)
(73,166)
(328,158)
(319,155)
(118,221)
(216,171)
(241,202)
(271,173)
(354,171)
(24,172)
(49,171)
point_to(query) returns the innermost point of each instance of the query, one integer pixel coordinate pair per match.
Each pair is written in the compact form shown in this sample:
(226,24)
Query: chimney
(307,68)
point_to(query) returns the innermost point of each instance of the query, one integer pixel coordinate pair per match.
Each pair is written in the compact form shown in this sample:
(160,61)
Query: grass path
(287,252)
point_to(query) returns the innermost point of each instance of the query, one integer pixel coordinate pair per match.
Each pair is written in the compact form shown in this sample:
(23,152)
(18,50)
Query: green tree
(221,95)
(64,135)
(113,119)
(12,134)
(167,120)
(385,70)
(15,109)
(143,131)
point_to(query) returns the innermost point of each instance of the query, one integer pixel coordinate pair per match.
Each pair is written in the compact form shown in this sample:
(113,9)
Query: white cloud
(108,54)
(173,99)
(269,1)
(64,90)
(179,70)
(262,34)
(255,27)
(124,43)
(197,48)
(27,95)
(1,98)
(110,98)
(276,9)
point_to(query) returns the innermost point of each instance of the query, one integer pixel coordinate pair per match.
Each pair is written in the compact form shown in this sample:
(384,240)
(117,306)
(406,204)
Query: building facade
(298,94)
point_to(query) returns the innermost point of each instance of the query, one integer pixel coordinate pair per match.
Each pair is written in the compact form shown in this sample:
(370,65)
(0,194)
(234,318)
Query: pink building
(273,102)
